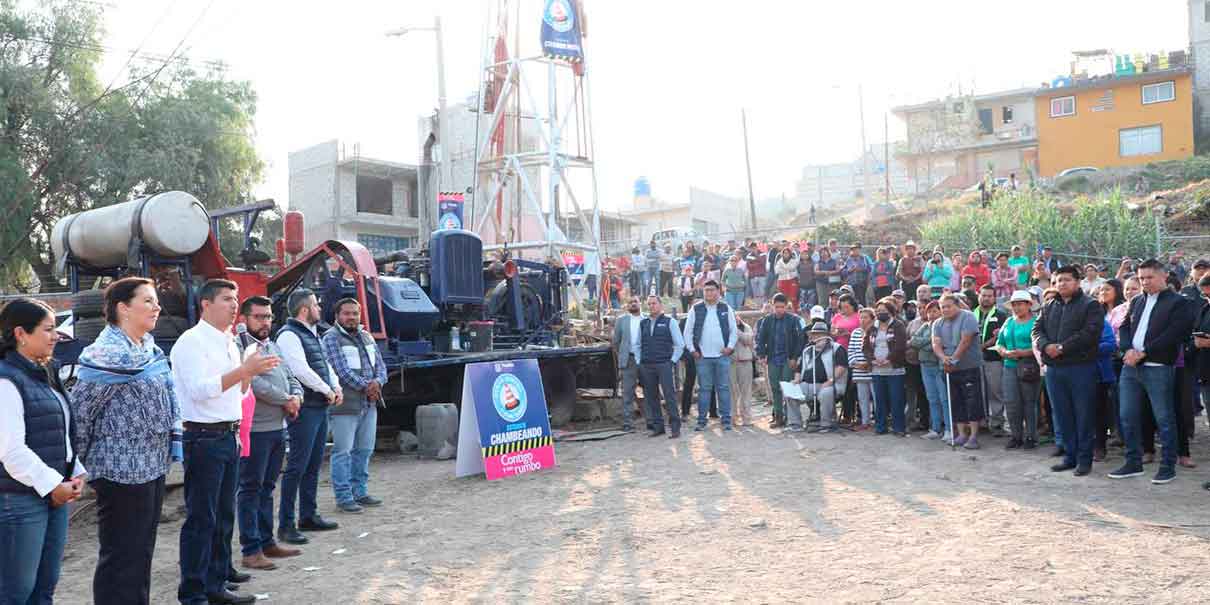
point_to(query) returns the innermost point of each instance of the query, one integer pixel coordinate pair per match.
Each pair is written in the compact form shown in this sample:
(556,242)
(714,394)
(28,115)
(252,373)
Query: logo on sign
(450,220)
(559,16)
(508,397)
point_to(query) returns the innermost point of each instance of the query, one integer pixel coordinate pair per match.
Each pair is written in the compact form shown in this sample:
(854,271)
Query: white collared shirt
(20,462)
(200,358)
(1140,331)
(712,344)
(296,358)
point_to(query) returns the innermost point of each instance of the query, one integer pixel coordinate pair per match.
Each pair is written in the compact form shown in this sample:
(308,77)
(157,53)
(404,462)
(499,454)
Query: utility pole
(865,159)
(428,208)
(886,153)
(743,114)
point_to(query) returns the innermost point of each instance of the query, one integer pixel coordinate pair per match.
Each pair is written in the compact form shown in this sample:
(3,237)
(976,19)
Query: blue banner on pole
(561,31)
(449,209)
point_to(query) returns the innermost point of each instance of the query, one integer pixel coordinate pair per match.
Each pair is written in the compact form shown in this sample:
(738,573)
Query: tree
(69,144)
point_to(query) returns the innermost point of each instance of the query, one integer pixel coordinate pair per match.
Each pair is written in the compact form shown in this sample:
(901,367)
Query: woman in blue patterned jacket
(127,434)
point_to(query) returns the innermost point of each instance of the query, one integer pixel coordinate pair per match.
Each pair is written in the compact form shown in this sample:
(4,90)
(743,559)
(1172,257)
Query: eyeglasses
(262,317)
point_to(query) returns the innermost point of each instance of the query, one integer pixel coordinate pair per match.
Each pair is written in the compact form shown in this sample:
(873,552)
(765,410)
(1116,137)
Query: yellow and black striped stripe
(517,446)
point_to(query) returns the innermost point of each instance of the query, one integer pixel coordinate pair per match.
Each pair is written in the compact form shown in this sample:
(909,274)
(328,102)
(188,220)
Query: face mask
(884,317)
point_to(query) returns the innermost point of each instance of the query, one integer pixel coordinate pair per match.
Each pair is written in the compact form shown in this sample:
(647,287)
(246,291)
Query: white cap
(1021,296)
(817,312)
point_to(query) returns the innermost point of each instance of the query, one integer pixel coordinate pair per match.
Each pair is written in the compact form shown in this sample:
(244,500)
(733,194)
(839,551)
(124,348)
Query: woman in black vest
(38,471)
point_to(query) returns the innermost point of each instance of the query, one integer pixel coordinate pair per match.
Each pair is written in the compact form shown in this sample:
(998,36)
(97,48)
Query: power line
(136,51)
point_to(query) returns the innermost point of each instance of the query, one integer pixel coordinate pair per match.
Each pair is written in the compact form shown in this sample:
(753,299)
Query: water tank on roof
(642,187)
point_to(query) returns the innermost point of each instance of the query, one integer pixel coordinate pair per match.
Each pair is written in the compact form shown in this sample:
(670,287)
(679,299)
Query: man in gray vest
(355,358)
(303,352)
(627,344)
(662,347)
(710,335)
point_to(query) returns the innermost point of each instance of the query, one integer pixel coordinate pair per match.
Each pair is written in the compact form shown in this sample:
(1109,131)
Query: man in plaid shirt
(355,358)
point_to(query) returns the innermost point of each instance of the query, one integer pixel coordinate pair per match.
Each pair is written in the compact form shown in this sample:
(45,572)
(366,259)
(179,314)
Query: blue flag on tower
(561,31)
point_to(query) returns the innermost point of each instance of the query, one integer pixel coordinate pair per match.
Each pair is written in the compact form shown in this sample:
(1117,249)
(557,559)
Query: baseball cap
(1036,291)
(899,293)
(817,312)
(1202,263)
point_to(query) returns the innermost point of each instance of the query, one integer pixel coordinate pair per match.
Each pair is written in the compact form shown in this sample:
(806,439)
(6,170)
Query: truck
(431,310)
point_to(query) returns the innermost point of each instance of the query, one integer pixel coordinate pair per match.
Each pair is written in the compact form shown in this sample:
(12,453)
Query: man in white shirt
(209,380)
(710,334)
(303,351)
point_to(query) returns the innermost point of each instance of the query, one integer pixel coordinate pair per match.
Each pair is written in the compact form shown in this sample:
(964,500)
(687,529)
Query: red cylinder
(280,249)
(294,231)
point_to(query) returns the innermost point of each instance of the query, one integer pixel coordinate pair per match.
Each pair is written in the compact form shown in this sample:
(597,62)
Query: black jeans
(128,516)
(257,480)
(211,474)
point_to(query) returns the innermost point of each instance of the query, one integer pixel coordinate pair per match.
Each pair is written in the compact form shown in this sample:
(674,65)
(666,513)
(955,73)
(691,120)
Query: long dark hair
(24,313)
(122,291)
(1119,295)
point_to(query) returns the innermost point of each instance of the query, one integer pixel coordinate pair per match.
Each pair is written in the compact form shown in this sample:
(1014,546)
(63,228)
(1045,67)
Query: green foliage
(68,143)
(1103,227)
(839,230)
(1176,173)
(1075,184)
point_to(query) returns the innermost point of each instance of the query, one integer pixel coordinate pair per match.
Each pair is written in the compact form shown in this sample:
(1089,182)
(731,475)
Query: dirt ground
(749,516)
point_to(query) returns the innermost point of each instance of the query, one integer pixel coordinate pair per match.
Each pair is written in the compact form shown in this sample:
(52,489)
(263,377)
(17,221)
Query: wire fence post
(1159,236)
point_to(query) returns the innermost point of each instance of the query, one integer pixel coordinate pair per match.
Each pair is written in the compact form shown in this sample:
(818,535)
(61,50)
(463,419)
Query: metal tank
(173,223)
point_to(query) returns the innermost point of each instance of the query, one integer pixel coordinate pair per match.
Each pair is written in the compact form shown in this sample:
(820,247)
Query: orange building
(1116,121)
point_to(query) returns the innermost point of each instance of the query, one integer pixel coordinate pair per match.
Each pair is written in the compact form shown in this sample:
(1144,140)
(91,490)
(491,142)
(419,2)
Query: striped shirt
(857,355)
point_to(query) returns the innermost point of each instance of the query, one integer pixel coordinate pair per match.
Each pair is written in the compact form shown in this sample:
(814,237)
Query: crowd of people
(958,348)
(223,405)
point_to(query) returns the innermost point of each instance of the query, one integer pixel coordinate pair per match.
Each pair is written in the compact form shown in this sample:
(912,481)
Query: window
(382,244)
(1146,140)
(1062,106)
(1158,93)
(985,121)
(959,107)
(1006,113)
(374,195)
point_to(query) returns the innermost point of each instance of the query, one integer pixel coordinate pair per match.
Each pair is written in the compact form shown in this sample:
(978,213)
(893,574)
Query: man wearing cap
(911,270)
(710,334)
(821,375)
(1201,267)
(778,345)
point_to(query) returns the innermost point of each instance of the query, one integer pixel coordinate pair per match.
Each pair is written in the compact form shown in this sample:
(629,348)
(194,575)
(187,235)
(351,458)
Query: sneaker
(794,428)
(1126,471)
(349,507)
(931,436)
(1062,466)
(971,444)
(1165,475)
(947,437)
(960,440)
(1082,471)
(1030,444)
(368,500)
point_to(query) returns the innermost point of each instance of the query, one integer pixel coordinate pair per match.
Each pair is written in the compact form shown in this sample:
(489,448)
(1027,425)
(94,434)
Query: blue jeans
(658,380)
(735,300)
(714,374)
(308,433)
(211,469)
(352,443)
(1072,391)
(32,535)
(1158,382)
(939,398)
(257,480)
(888,395)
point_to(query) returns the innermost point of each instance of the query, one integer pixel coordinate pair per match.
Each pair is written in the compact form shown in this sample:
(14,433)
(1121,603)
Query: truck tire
(169,327)
(89,329)
(559,384)
(88,304)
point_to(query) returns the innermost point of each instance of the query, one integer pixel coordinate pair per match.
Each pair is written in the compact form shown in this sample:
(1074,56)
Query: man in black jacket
(1068,332)
(779,341)
(1150,339)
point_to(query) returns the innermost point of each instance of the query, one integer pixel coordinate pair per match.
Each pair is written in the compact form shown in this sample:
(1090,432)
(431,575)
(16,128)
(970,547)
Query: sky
(668,78)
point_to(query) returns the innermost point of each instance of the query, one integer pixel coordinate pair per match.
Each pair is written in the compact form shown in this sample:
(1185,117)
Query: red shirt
(980,273)
(756,265)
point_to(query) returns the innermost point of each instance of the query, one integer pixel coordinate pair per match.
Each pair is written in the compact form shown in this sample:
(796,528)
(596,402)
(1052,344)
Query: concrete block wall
(312,185)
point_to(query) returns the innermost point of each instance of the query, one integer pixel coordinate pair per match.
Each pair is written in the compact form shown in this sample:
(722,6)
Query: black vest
(46,430)
(657,348)
(699,321)
(316,359)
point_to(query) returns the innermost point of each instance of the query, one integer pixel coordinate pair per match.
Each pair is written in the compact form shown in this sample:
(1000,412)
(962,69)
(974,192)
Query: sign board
(504,429)
(561,31)
(573,261)
(449,209)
